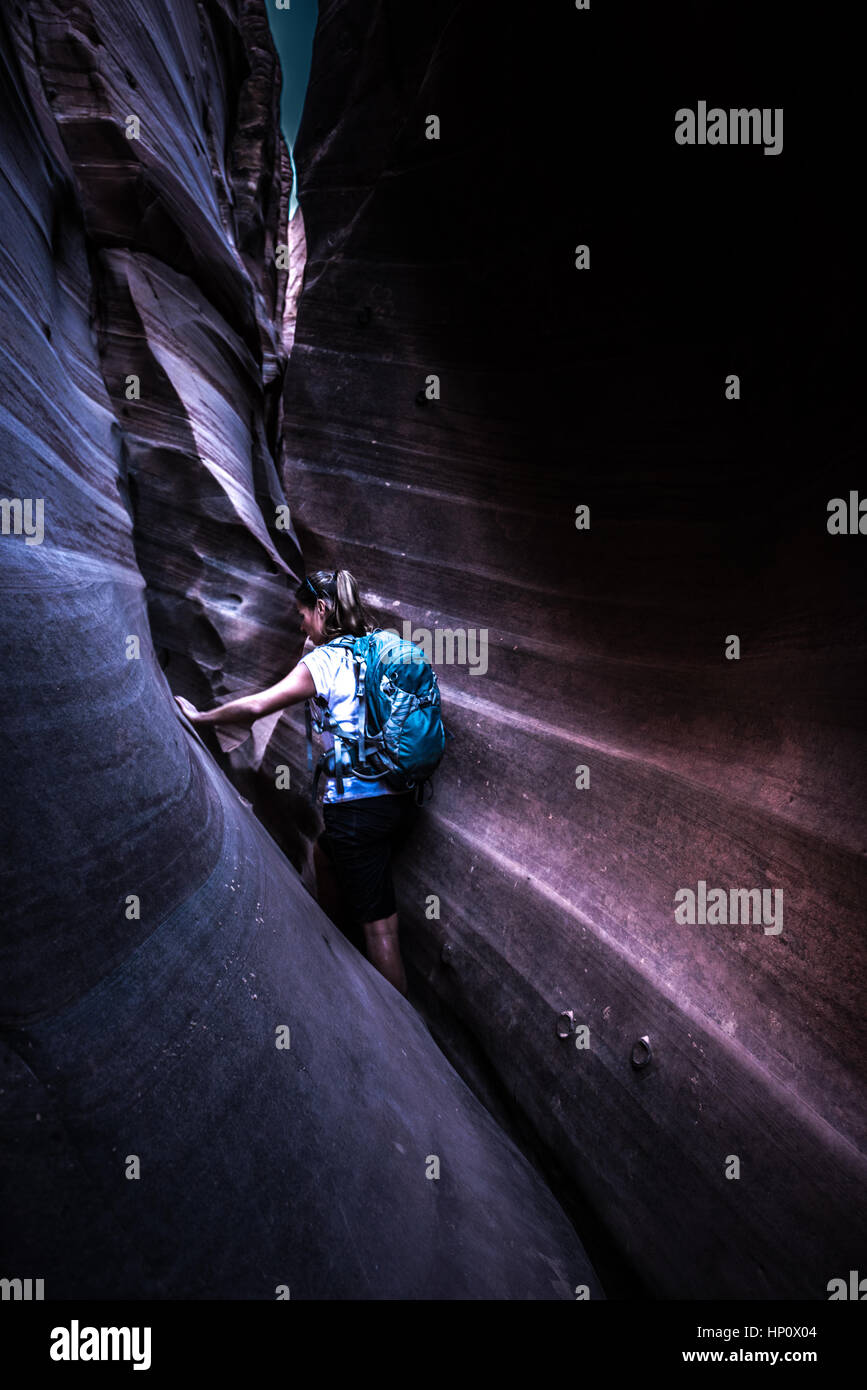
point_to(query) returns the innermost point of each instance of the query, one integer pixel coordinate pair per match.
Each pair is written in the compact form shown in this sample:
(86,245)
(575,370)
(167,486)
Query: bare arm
(298,685)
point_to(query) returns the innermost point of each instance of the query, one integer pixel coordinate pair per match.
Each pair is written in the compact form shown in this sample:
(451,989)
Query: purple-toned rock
(459,391)
(205,1092)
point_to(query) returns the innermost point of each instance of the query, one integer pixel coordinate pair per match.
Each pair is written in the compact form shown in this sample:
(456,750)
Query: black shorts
(358,838)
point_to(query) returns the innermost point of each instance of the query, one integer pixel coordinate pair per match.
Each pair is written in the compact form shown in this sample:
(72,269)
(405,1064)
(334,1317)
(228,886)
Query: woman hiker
(362,824)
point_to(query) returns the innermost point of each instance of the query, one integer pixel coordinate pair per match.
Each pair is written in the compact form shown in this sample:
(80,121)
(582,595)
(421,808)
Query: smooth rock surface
(606,647)
(154,1140)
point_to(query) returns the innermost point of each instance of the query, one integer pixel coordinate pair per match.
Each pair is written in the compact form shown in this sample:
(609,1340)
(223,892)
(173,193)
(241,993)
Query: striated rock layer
(155,1140)
(606,647)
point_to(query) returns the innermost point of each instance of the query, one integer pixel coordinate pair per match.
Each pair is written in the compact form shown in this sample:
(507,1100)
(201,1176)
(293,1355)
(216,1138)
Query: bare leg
(383,950)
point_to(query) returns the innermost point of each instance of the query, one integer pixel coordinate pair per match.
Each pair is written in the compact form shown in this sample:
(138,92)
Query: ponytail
(345,614)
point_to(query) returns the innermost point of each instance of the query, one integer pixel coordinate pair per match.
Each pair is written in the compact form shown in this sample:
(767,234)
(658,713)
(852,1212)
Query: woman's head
(329,606)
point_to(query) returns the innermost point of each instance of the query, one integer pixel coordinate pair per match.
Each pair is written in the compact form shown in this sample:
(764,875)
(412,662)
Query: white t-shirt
(333,672)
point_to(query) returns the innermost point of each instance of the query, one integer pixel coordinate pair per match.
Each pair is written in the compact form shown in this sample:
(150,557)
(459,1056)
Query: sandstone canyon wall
(606,387)
(155,1140)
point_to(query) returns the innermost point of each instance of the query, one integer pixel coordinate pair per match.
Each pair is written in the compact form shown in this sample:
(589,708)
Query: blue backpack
(403,738)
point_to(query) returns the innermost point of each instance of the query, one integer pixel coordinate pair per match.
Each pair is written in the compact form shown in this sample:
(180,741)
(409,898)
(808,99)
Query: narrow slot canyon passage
(485,366)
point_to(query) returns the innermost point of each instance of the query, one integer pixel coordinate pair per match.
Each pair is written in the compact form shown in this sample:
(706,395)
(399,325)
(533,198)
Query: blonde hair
(344,611)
